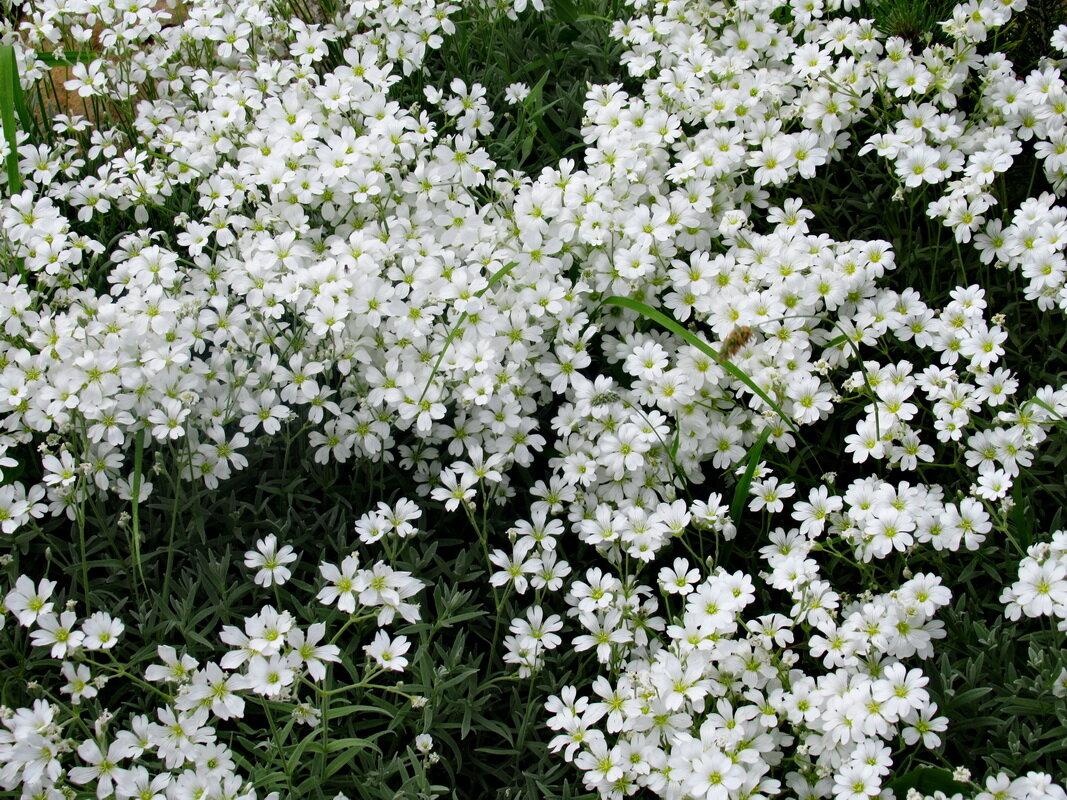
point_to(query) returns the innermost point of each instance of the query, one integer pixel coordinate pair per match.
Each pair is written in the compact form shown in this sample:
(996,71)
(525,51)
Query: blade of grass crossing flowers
(1042,404)
(673,326)
(737,504)
(10,89)
(493,280)
(68,59)
(22,111)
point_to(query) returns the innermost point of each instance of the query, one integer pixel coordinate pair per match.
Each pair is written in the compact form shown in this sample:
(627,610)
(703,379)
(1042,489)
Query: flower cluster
(709,712)
(1041,588)
(177,750)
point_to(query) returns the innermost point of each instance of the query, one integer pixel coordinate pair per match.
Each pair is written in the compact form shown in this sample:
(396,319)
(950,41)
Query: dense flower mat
(586,344)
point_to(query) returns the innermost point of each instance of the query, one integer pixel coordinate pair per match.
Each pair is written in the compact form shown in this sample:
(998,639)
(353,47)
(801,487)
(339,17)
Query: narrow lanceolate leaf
(674,327)
(567,11)
(10,94)
(67,59)
(737,505)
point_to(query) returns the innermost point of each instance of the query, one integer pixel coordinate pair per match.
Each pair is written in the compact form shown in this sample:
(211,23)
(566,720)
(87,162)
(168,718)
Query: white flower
(715,776)
(455,488)
(270,562)
(167,421)
(923,725)
(88,79)
(214,689)
(513,567)
(342,588)
(1041,589)
(269,675)
(103,766)
(307,714)
(175,668)
(516,93)
(312,654)
(58,633)
(79,682)
(768,494)
(28,602)
(539,630)
(678,578)
(1059,686)
(101,631)
(388,653)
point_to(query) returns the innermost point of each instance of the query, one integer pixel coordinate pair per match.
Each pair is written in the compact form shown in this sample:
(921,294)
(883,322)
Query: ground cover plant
(534,400)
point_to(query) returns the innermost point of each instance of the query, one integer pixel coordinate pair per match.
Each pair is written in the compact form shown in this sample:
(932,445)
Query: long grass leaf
(22,111)
(67,59)
(135,517)
(674,327)
(9,88)
(737,504)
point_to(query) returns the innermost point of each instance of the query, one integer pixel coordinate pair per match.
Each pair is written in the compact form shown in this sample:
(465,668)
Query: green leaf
(465,722)
(338,745)
(537,90)
(837,341)
(348,750)
(461,676)
(67,59)
(972,695)
(498,751)
(1025,705)
(737,505)
(309,741)
(343,711)
(566,10)
(10,94)
(452,620)
(674,327)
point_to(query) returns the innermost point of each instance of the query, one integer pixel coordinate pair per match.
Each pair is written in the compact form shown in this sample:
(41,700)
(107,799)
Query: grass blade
(67,59)
(737,504)
(674,327)
(10,95)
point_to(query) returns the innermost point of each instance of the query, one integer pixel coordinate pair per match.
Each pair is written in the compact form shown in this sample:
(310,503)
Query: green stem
(170,541)
(118,671)
(278,744)
(526,716)
(352,619)
(84,557)
(135,516)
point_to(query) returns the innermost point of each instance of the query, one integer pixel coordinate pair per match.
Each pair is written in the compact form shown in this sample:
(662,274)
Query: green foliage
(556,53)
(1025,38)
(916,22)
(927,780)
(994,677)
(10,103)
(485,723)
